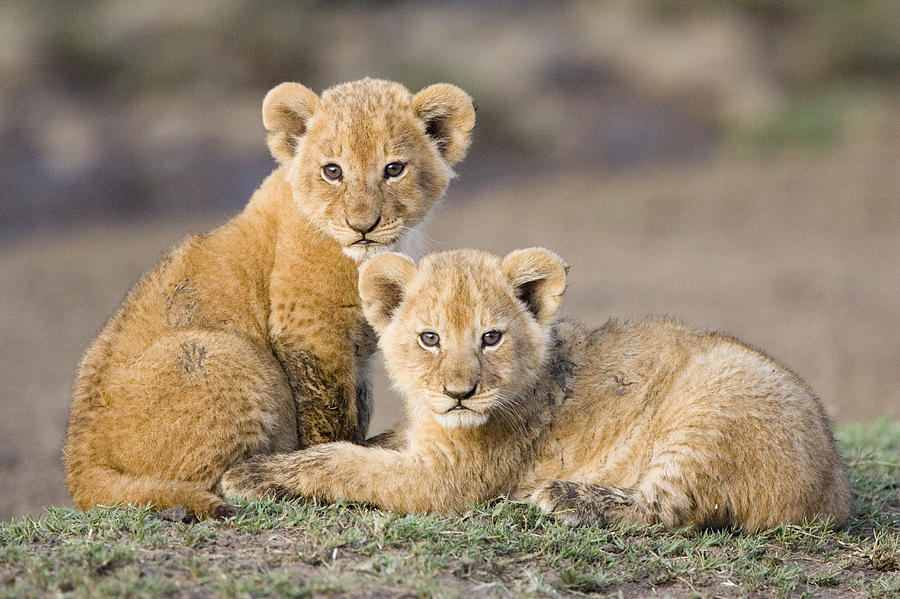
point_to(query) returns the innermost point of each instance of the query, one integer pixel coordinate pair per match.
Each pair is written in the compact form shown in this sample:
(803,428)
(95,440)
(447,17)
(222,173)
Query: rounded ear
(538,278)
(449,116)
(382,282)
(286,111)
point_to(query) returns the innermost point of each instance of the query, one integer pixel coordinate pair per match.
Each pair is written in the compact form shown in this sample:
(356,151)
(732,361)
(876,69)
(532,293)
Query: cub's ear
(286,111)
(449,116)
(382,282)
(538,277)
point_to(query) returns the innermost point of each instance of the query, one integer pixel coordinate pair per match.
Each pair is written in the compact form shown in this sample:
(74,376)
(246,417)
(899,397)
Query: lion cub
(646,421)
(251,339)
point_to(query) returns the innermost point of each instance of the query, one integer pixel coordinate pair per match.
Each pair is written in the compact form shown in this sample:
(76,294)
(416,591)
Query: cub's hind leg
(160,428)
(657,500)
(583,503)
(673,490)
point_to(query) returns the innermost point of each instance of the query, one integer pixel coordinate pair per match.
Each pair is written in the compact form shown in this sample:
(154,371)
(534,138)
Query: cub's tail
(101,485)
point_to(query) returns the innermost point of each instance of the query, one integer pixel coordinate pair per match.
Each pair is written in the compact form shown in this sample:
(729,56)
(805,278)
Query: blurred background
(736,164)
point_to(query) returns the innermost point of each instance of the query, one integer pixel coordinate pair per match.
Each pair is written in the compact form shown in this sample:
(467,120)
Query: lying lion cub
(645,421)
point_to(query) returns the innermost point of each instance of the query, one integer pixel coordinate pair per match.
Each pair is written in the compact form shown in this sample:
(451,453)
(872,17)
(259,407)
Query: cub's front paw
(252,479)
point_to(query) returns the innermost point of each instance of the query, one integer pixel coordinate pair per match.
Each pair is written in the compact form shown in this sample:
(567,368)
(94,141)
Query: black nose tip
(460,395)
(363,228)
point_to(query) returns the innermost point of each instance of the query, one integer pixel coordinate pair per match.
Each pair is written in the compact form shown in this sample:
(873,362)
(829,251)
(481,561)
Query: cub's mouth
(360,245)
(374,238)
(371,239)
(365,242)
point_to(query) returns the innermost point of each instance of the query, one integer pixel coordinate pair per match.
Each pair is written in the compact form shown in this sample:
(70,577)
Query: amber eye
(491,338)
(332,172)
(394,169)
(429,339)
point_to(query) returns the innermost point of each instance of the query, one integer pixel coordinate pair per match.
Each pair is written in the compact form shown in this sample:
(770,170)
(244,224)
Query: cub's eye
(491,338)
(394,169)
(429,339)
(332,172)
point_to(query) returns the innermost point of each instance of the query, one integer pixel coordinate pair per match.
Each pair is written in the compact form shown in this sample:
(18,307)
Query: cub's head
(464,332)
(367,159)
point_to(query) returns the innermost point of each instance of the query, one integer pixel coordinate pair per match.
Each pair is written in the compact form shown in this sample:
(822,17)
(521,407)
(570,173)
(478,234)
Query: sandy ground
(796,254)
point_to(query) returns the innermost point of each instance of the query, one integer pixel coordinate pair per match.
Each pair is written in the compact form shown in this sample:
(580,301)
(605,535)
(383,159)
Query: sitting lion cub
(646,421)
(251,338)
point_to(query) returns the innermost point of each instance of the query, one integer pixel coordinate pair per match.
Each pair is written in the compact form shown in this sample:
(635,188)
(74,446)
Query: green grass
(813,121)
(504,548)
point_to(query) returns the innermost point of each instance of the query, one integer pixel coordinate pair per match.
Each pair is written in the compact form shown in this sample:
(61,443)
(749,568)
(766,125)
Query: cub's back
(197,284)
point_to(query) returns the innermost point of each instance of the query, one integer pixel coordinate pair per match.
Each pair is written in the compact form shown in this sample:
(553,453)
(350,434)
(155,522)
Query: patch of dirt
(262,561)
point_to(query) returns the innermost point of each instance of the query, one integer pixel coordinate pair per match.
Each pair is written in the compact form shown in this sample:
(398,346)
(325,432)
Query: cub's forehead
(366,97)
(458,290)
(365,118)
(464,269)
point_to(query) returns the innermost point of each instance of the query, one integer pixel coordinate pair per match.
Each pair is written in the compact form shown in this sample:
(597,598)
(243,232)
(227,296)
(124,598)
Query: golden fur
(251,339)
(644,421)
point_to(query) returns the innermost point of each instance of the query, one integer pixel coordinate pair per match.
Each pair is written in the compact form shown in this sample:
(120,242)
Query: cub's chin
(461,419)
(359,253)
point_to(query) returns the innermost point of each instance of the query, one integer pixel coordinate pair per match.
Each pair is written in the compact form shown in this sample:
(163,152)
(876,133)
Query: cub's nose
(362,226)
(460,395)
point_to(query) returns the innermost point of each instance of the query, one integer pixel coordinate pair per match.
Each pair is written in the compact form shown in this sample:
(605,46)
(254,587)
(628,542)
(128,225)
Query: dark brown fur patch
(387,439)
(253,476)
(363,412)
(722,518)
(560,365)
(583,503)
(181,304)
(190,358)
(326,407)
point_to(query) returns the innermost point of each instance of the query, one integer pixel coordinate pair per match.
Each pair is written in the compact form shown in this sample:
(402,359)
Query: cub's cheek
(404,372)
